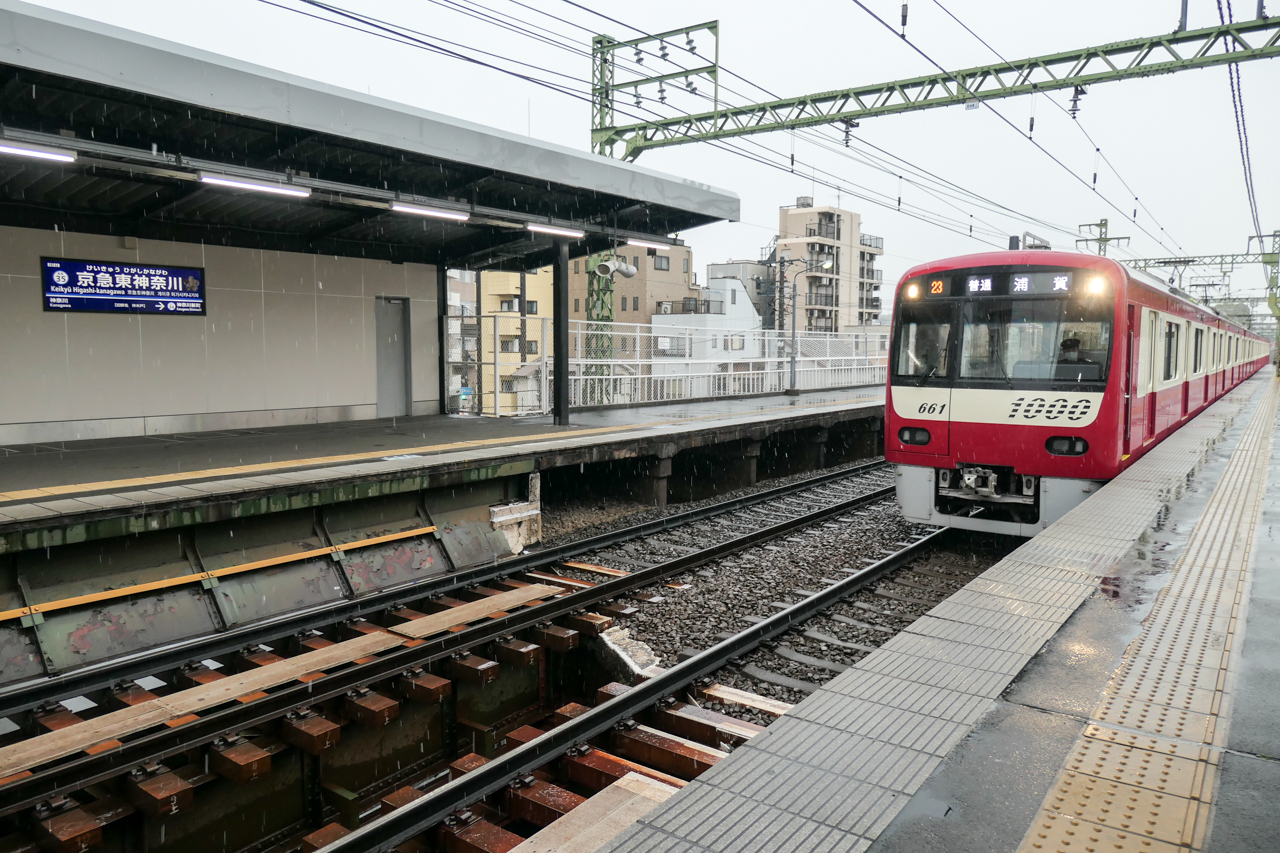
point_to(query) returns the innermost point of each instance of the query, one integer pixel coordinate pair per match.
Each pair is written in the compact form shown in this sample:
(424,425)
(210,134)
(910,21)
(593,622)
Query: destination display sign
(98,286)
(994,283)
(1058,281)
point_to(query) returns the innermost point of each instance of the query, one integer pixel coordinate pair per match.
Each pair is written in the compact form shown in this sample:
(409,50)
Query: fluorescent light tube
(256,186)
(645,245)
(400,207)
(559,232)
(40,153)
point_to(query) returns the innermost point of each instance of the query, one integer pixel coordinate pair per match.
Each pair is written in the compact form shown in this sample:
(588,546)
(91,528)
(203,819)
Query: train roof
(1079,260)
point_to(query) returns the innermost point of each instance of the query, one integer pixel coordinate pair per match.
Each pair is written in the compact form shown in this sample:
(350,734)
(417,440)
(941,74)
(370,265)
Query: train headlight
(1097,284)
(1061,445)
(913,291)
(914,435)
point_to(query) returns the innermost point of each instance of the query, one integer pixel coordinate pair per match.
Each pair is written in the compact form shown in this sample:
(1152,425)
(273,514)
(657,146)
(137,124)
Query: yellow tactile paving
(1156,771)
(1124,712)
(1127,808)
(429,449)
(1152,743)
(1142,774)
(1058,832)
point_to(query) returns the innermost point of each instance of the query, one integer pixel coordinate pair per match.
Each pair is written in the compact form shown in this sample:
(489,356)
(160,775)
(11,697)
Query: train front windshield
(1041,340)
(1004,327)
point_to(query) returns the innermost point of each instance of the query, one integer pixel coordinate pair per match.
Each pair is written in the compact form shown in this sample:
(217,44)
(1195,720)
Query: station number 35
(932,408)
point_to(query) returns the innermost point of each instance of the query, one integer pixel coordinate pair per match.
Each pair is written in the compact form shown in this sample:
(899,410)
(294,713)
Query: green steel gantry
(1103,238)
(597,341)
(1270,259)
(1222,261)
(1076,69)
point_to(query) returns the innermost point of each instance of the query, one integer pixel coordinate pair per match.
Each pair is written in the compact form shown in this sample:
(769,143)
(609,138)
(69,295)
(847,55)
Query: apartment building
(823,252)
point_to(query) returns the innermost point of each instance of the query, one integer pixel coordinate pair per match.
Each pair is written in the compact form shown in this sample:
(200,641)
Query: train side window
(1170,351)
(1198,352)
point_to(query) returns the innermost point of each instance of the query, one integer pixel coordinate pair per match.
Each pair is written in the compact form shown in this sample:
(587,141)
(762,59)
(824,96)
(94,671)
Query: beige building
(505,348)
(845,294)
(664,284)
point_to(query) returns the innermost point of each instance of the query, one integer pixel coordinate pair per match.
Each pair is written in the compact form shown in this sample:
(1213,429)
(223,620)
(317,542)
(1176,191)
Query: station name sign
(97,286)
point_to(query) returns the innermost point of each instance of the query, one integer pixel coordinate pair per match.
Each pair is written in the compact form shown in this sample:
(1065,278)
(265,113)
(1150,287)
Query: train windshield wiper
(1004,373)
(933,368)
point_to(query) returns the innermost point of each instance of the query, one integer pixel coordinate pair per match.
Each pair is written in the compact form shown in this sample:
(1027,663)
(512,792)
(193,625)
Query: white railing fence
(500,364)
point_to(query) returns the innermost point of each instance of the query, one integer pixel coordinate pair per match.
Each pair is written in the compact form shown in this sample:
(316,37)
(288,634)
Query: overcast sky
(1172,138)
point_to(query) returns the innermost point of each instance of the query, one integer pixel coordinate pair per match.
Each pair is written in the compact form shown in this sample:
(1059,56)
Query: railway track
(766,662)
(883,596)
(32,776)
(23,696)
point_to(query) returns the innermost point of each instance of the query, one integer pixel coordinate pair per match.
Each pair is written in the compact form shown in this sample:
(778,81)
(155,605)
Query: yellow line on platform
(32,495)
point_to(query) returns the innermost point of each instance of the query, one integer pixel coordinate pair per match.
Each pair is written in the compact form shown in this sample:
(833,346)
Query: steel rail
(395,828)
(85,770)
(22,696)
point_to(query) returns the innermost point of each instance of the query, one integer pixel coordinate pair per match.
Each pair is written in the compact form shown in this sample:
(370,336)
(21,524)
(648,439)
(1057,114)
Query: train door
(1130,367)
(1216,364)
(1187,364)
(1152,351)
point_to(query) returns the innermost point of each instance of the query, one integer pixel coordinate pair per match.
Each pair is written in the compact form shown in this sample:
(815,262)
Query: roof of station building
(146,116)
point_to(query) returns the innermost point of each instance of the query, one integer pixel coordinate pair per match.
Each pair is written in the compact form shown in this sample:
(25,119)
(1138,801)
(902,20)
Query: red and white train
(1021,381)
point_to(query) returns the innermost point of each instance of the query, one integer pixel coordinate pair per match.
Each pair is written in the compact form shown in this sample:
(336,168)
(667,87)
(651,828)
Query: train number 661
(932,408)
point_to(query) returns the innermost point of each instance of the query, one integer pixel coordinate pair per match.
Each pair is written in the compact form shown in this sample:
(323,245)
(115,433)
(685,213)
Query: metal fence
(501,364)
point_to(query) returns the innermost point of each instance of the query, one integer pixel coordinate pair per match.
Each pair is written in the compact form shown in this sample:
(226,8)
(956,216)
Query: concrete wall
(288,339)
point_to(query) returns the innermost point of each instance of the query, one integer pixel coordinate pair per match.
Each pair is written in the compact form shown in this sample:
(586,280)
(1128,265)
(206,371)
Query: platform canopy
(157,129)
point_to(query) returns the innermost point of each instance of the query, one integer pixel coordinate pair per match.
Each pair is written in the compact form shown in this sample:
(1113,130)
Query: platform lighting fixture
(646,245)
(39,152)
(255,186)
(559,232)
(456,215)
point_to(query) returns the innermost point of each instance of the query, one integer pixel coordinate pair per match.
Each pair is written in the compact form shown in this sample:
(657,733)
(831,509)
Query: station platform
(48,484)
(1110,685)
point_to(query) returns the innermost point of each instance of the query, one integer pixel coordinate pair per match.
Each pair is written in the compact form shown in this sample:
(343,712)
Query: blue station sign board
(71,285)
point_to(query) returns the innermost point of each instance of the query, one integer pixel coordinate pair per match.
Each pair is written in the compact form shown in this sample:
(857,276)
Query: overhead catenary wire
(811,134)
(423,45)
(391,34)
(491,17)
(1080,125)
(962,228)
(388,31)
(1004,119)
(1242,134)
(774,95)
